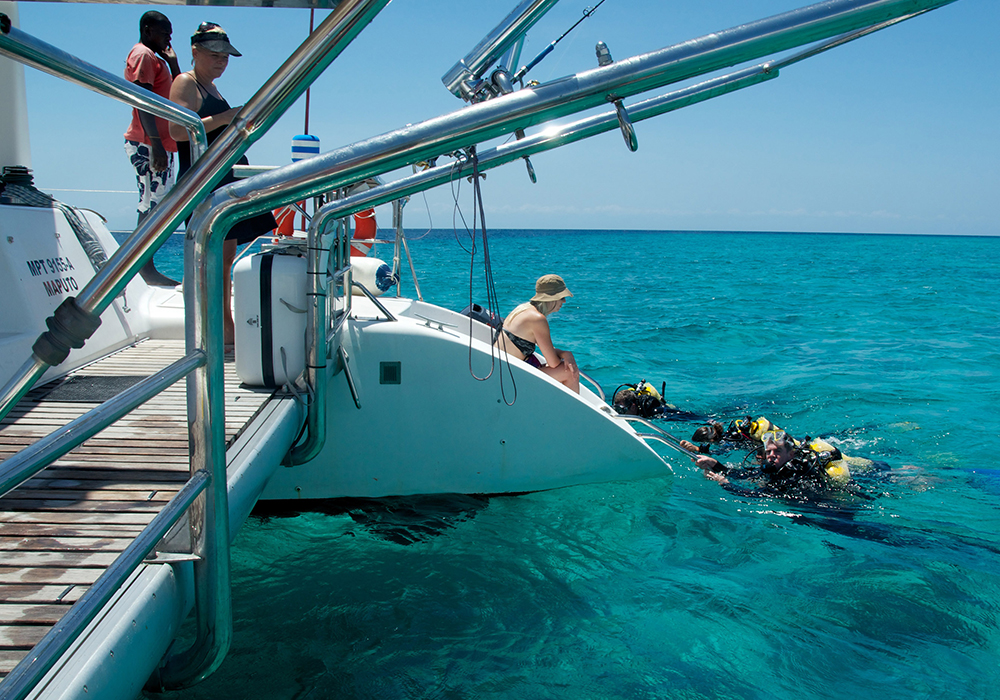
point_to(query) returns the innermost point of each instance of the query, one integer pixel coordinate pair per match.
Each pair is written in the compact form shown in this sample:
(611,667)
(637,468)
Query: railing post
(317,346)
(203,298)
(209,515)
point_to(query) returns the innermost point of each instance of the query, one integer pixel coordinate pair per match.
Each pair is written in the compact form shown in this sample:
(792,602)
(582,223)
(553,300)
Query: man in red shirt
(151,64)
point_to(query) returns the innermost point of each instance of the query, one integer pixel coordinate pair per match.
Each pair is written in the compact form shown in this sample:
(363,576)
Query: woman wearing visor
(196,90)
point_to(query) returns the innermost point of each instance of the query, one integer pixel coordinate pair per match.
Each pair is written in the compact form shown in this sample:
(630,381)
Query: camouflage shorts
(152,186)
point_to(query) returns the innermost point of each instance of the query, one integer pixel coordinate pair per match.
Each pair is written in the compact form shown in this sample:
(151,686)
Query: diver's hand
(716,476)
(704,461)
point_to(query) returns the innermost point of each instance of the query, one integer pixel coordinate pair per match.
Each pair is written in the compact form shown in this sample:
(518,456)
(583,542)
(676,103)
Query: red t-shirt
(144,66)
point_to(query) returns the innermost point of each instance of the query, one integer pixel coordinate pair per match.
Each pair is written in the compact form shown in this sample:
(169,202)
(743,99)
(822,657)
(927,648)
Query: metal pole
(32,459)
(317,347)
(559,98)
(45,57)
(203,298)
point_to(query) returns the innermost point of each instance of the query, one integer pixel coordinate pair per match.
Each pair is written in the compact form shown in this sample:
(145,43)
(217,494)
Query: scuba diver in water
(645,401)
(787,466)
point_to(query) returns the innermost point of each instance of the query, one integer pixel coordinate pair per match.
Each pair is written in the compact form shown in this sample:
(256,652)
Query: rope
(492,304)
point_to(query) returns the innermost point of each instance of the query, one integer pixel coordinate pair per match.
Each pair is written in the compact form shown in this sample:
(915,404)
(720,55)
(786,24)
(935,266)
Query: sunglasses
(208,26)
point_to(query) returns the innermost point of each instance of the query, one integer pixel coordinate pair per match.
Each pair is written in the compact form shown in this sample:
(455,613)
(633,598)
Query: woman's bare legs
(566,372)
(228,326)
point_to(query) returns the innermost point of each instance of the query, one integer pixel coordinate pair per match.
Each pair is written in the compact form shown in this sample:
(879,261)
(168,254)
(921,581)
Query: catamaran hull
(429,422)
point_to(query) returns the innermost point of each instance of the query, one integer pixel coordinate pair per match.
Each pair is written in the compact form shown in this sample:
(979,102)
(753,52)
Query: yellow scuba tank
(645,387)
(757,428)
(836,470)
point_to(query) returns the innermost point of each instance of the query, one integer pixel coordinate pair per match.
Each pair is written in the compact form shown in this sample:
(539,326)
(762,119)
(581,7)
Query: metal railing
(203,288)
(202,365)
(659,434)
(443,135)
(45,57)
(430,139)
(24,465)
(593,383)
(327,284)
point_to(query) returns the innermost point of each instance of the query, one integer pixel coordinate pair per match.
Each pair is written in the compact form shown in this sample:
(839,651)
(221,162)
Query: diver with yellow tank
(786,464)
(643,400)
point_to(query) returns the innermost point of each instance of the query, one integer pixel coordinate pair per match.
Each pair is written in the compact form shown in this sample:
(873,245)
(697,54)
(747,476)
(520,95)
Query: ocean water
(673,587)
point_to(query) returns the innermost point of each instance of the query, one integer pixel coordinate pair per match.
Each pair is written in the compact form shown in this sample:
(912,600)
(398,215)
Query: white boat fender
(269,293)
(375,275)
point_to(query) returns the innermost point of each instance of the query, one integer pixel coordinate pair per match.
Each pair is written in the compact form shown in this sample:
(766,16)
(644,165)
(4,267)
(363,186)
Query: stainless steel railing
(45,57)
(203,287)
(343,166)
(202,365)
(24,465)
(328,285)
(659,433)
(593,383)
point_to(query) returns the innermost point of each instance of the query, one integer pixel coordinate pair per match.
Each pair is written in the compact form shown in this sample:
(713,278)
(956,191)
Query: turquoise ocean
(673,587)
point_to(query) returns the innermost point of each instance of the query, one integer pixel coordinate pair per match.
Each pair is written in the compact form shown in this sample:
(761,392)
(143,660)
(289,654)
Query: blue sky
(895,133)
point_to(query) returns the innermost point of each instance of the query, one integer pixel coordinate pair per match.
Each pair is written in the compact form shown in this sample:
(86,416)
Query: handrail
(318,348)
(656,438)
(558,98)
(666,437)
(203,287)
(205,386)
(18,468)
(34,52)
(600,391)
(374,299)
(44,655)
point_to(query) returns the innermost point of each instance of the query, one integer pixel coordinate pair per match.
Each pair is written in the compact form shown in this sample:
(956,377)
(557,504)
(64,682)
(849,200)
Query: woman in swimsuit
(210,52)
(527,327)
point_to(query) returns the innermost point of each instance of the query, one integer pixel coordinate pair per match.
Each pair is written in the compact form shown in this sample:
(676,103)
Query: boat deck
(60,530)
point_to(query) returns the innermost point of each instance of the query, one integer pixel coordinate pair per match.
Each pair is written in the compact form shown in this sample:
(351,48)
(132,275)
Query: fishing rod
(548,49)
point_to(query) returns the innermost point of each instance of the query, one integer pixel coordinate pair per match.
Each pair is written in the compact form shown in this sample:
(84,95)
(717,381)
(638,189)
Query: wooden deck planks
(60,530)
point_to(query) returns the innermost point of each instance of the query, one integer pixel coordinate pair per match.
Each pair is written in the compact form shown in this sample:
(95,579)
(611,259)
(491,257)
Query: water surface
(673,587)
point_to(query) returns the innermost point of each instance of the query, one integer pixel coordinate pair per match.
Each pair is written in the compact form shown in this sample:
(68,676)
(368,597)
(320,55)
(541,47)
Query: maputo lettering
(60,286)
(53,266)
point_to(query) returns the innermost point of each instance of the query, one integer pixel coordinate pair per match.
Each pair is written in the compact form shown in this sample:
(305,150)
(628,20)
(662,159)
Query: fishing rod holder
(465,78)
(624,122)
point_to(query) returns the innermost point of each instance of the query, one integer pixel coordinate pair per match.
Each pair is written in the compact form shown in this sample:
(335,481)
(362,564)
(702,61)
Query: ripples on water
(673,587)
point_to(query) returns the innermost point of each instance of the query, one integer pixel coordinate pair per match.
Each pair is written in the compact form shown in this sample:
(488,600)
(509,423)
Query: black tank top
(210,106)
(248,229)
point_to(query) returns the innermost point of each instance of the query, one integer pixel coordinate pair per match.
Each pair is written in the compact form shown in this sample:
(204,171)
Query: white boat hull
(442,430)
